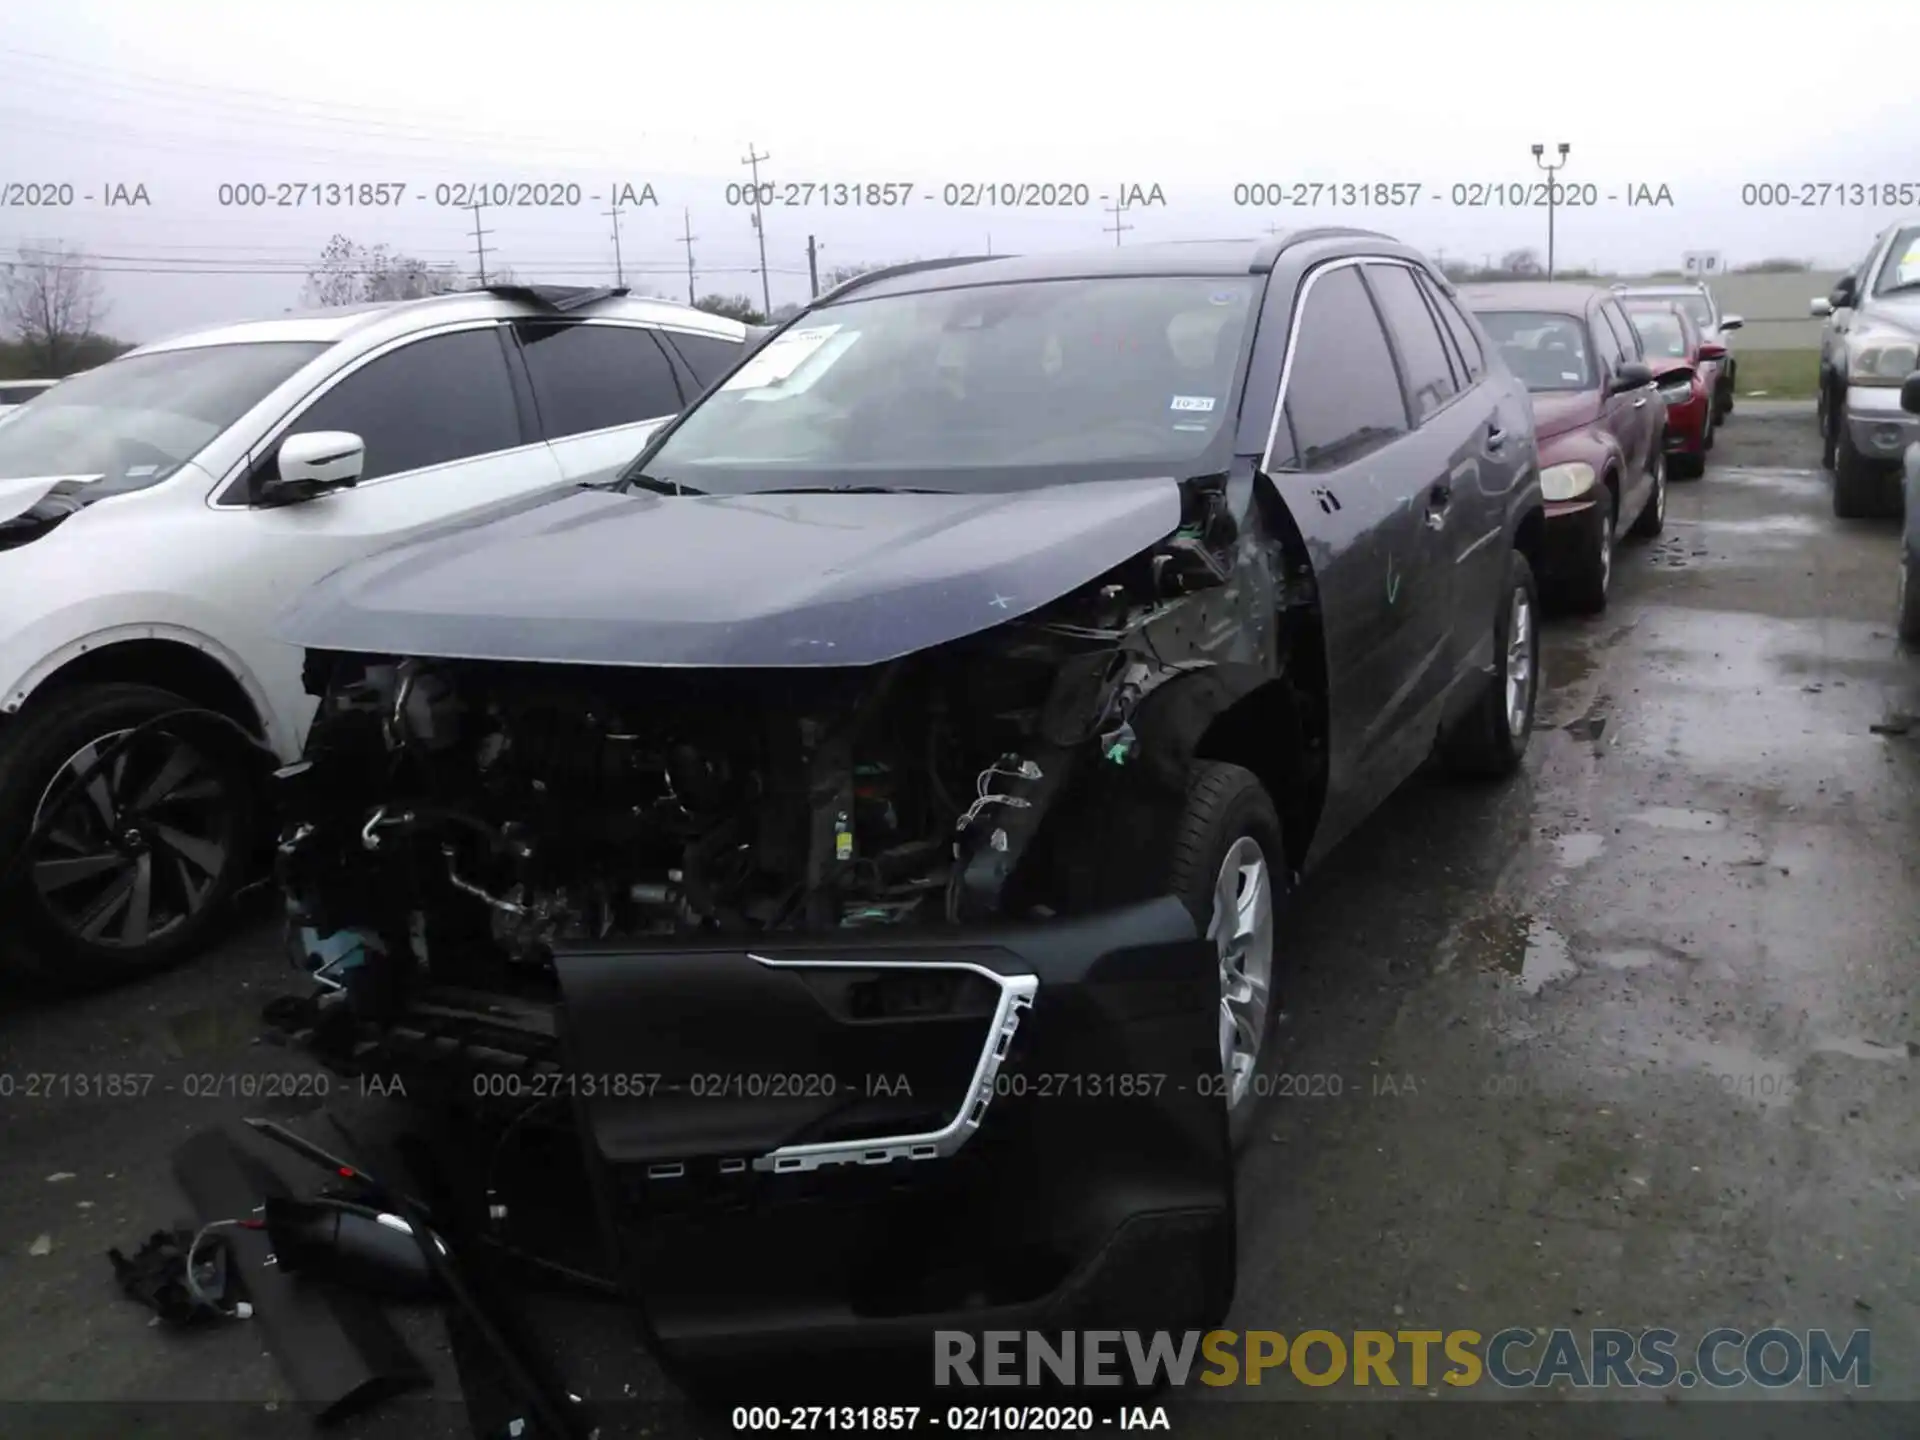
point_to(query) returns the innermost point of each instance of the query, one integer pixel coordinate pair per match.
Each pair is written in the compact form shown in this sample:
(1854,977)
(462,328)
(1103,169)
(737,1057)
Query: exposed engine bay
(466,817)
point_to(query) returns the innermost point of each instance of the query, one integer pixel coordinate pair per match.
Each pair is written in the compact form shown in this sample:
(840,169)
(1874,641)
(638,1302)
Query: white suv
(158,512)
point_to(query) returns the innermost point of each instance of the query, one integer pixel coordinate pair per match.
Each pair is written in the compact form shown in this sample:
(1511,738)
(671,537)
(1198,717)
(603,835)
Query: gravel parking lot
(1629,1042)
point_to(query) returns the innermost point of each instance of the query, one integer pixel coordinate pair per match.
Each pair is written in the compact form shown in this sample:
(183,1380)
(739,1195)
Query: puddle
(1764,525)
(1667,817)
(1811,484)
(1579,848)
(1520,945)
(1863,1049)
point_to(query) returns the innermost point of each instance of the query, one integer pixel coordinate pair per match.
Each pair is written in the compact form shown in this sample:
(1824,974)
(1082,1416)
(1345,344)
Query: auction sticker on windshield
(785,354)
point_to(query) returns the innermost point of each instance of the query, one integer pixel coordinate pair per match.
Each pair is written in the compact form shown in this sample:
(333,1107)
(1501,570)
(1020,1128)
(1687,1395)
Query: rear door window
(596,377)
(1422,349)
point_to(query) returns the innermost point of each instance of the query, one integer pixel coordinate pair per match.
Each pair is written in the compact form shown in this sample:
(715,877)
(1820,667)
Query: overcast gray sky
(1187,95)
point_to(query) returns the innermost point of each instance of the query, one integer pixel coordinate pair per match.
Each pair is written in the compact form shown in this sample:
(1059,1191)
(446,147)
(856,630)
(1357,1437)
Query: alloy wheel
(1660,489)
(1520,639)
(136,849)
(1242,933)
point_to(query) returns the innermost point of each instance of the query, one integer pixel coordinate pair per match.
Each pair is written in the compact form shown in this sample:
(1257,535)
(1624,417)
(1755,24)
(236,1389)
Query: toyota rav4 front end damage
(785,932)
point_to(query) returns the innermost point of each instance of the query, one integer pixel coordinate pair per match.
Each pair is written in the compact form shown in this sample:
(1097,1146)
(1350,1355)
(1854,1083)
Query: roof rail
(558,298)
(1268,253)
(906,267)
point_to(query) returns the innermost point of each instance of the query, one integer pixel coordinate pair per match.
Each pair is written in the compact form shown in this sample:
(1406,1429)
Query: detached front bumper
(1878,427)
(828,1147)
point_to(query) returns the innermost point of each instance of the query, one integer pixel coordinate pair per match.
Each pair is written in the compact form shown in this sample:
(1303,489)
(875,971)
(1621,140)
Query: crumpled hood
(594,577)
(1555,413)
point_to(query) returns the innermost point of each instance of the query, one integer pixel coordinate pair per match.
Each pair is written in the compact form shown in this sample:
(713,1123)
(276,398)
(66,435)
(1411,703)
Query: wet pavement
(1628,1042)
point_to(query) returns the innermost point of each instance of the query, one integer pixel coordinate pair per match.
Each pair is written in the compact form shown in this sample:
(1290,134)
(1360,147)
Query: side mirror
(312,463)
(1731,322)
(1630,376)
(1711,351)
(1820,306)
(1842,295)
(1910,394)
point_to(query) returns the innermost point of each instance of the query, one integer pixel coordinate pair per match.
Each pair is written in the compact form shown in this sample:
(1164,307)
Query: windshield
(1901,269)
(979,388)
(1545,352)
(143,416)
(1660,333)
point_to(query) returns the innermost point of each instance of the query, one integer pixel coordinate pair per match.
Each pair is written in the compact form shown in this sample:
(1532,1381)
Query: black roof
(559,298)
(1202,257)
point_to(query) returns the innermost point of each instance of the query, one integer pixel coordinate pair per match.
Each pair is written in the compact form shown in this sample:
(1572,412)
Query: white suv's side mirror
(1820,306)
(310,464)
(1731,322)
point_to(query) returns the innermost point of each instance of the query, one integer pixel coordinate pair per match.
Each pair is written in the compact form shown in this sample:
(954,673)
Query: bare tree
(52,300)
(349,273)
(1521,263)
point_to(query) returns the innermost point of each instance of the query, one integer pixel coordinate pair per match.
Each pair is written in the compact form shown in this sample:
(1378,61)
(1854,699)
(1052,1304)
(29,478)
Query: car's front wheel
(1653,515)
(122,837)
(1862,489)
(1228,864)
(1588,578)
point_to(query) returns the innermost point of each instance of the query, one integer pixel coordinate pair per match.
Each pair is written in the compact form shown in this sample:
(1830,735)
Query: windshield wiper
(657,484)
(851,490)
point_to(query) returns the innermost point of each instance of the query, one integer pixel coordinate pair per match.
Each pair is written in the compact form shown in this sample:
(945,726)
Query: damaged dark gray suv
(886,793)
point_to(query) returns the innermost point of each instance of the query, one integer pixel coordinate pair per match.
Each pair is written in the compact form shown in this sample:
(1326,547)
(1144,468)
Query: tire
(1862,490)
(1908,603)
(191,842)
(1586,582)
(1228,813)
(1492,740)
(1829,427)
(1652,518)
(1713,426)
(1686,467)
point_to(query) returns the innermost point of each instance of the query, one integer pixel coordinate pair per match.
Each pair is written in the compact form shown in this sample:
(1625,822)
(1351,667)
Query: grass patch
(1777,374)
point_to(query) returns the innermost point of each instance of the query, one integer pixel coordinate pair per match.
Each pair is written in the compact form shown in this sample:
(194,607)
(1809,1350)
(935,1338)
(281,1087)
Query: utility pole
(619,269)
(753,158)
(1553,193)
(989,242)
(479,244)
(813,267)
(687,240)
(1114,210)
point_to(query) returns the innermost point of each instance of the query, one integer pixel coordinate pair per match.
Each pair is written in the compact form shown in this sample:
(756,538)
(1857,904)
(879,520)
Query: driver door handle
(1496,437)
(1439,500)
(1641,401)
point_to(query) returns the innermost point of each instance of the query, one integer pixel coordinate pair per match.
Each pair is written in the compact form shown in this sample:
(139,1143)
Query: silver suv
(1871,345)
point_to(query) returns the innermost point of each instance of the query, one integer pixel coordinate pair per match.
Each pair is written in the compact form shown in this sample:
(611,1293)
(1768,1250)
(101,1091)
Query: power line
(386,122)
(1114,210)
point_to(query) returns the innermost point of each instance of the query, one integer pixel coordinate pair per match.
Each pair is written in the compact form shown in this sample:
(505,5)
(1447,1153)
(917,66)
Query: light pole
(1553,193)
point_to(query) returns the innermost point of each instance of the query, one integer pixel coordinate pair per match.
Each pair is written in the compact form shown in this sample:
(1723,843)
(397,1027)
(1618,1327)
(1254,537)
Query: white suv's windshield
(1901,269)
(143,416)
(981,388)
